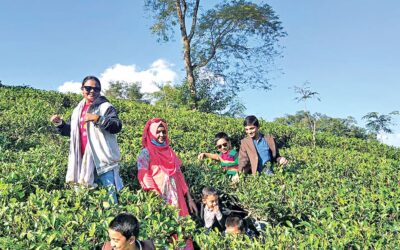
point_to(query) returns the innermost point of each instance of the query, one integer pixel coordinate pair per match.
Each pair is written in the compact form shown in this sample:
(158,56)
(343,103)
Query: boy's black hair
(91,78)
(126,224)
(233,221)
(208,191)
(221,135)
(250,121)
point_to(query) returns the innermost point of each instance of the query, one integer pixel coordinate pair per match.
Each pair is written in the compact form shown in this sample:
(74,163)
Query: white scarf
(80,169)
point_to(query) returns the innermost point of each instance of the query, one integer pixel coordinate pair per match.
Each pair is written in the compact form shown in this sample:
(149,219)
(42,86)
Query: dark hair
(126,224)
(234,221)
(251,120)
(91,78)
(207,191)
(221,135)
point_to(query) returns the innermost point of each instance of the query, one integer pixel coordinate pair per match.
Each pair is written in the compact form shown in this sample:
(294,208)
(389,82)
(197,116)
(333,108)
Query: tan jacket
(248,157)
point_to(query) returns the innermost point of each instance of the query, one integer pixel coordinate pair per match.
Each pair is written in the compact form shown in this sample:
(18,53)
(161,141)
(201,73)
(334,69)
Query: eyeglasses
(222,145)
(89,88)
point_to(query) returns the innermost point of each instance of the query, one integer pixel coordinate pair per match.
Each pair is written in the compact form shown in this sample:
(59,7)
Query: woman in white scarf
(94,153)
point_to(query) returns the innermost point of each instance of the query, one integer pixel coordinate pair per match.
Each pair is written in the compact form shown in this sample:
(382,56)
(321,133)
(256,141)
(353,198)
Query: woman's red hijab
(162,156)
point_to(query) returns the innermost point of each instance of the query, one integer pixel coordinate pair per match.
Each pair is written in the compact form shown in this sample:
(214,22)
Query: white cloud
(159,73)
(390,139)
(70,87)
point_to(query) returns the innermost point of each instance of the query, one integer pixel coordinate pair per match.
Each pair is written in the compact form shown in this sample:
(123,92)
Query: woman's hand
(91,117)
(192,207)
(56,120)
(191,204)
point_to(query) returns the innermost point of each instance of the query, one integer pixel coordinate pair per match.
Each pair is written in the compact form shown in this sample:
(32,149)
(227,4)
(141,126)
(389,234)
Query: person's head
(158,130)
(91,88)
(251,126)
(161,134)
(123,231)
(210,197)
(233,225)
(222,142)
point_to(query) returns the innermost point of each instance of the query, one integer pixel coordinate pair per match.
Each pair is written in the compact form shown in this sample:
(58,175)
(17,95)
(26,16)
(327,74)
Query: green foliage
(23,125)
(68,219)
(379,123)
(163,13)
(234,42)
(346,127)
(304,93)
(171,96)
(213,98)
(124,90)
(342,194)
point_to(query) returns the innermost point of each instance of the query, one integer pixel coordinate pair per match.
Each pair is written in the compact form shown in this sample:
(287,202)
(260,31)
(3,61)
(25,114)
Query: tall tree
(234,40)
(304,93)
(377,123)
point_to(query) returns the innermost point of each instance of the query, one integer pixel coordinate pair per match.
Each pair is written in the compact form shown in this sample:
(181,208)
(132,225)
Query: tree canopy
(233,41)
(377,123)
(346,127)
(124,90)
(213,98)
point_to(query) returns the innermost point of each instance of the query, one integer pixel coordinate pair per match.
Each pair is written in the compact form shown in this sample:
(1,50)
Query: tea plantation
(342,194)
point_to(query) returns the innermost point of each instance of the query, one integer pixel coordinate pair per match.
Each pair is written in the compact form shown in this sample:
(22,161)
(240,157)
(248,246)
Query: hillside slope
(344,193)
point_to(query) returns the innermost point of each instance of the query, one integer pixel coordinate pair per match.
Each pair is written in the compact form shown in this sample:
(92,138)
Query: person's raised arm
(62,127)
(208,155)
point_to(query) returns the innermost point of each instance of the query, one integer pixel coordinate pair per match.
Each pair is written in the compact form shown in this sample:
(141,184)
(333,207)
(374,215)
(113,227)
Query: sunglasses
(89,88)
(222,145)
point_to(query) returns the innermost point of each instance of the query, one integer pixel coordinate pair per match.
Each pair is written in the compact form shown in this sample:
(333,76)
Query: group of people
(94,156)
(256,150)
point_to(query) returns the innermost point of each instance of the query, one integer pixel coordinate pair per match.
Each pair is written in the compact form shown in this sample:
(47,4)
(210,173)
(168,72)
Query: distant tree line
(125,90)
(337,126)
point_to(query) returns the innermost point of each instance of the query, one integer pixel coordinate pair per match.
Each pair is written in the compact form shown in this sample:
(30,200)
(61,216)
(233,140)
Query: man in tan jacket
(257,149)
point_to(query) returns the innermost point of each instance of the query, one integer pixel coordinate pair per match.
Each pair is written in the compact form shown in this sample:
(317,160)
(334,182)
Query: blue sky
(347,50)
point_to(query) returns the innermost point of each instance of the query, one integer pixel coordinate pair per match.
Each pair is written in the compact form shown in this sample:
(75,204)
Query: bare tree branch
(217,44)
(181,18)
(194,20)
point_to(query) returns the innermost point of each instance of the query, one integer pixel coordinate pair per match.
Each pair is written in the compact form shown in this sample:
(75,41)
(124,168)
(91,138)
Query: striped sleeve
(230,160)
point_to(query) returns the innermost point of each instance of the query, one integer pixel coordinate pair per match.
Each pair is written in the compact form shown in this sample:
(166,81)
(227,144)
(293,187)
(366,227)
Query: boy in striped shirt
(228,157)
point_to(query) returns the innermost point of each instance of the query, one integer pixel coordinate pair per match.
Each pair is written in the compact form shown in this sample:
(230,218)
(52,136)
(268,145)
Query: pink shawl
(162,156)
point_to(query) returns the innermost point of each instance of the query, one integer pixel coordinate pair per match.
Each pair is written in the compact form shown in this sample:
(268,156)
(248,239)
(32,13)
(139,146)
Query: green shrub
(343,193)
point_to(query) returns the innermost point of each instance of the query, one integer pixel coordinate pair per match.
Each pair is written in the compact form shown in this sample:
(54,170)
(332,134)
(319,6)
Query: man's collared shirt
(262,151)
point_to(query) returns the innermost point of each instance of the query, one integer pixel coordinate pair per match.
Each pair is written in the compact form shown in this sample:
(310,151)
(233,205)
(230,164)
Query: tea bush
(344,193)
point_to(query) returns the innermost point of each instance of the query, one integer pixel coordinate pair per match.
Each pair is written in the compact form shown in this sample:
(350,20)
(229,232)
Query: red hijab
(162,156)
